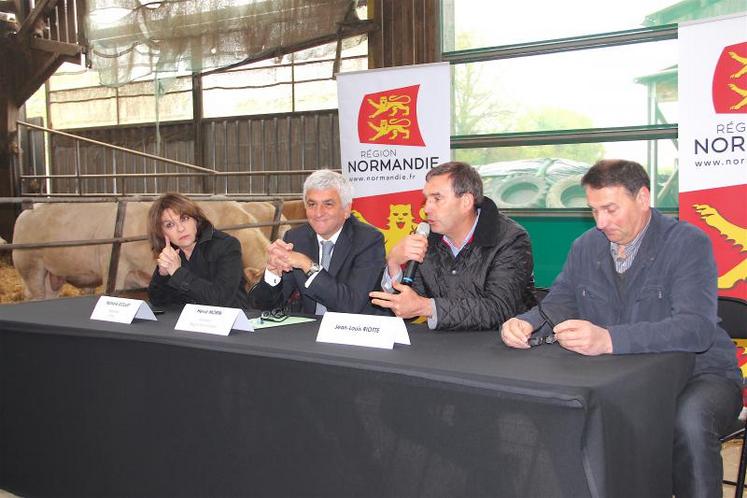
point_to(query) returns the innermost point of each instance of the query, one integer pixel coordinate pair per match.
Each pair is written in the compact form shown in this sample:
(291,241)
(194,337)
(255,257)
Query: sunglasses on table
(275,315)
(548,339)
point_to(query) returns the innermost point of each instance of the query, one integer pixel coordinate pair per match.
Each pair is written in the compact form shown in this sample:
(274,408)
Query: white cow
(45,270)
(294,210)
(265,212)
(4,254)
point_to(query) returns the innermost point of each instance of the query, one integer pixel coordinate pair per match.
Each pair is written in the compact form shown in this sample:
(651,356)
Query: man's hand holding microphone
(411,250)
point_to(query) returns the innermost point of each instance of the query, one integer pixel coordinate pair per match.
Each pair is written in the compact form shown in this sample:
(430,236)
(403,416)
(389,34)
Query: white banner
(713,103)
(713,141)
(394,127)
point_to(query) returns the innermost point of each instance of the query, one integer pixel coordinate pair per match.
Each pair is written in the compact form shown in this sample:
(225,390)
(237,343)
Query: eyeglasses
(548,339)
(275,315)
(542,339)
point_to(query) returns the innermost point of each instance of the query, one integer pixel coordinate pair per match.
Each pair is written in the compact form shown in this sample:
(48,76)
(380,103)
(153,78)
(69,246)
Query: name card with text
(362,330)
(121,310)
(212,319)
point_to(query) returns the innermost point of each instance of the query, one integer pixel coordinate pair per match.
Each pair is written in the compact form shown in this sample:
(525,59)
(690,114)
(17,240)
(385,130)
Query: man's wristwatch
(315,267)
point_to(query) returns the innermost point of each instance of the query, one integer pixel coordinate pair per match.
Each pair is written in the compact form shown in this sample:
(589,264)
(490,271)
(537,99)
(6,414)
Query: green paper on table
(258,323)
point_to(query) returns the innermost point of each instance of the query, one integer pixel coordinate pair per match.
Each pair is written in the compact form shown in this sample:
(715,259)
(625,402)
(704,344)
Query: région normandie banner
(713,141)
(394,127)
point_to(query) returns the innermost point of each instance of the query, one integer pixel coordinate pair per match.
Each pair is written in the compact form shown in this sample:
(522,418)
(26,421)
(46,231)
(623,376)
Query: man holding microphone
(475,267)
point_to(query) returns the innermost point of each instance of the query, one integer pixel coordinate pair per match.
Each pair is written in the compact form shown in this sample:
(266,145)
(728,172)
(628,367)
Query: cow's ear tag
(121,310)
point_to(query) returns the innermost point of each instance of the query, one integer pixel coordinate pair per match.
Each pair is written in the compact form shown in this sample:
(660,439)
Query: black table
(92,408)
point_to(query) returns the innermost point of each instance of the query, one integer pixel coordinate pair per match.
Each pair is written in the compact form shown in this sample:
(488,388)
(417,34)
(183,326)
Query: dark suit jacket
(355,270)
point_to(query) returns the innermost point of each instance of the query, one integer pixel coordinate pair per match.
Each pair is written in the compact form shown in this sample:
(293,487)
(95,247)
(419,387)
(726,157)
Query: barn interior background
(114,99)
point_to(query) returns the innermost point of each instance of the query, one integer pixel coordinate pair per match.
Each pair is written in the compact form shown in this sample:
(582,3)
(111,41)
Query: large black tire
(567,193)
(520,191)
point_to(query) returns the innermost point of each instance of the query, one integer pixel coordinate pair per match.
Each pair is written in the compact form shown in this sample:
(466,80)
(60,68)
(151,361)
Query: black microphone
(409,275)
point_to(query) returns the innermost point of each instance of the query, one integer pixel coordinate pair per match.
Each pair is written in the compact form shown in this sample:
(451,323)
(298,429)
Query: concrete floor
(730,454)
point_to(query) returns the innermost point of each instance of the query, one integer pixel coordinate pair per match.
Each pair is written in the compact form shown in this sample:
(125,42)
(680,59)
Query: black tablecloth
(91,408)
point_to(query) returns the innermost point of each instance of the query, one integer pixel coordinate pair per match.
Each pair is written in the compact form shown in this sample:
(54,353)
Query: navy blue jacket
(669,302)
(355,270)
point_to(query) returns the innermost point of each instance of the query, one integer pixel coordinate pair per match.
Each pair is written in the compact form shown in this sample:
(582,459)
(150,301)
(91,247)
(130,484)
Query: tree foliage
(483,104)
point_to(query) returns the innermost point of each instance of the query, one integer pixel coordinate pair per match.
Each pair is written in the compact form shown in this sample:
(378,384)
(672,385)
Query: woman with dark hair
(196,263)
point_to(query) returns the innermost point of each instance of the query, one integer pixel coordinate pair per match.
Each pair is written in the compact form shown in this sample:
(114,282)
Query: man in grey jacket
(644,283)
(476,264)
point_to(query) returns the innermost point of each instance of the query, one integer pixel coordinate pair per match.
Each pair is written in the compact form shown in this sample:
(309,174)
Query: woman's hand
(169,260)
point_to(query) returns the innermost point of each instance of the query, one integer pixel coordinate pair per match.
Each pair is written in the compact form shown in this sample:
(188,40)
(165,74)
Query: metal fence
(117,239)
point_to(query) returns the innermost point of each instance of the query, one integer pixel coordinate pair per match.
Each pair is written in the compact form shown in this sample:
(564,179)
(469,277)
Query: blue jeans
(707,408)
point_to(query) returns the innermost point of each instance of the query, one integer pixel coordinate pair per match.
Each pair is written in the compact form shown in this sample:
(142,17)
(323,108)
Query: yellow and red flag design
(394,127)
(730,80)
(712,153)
(396,215)
(721,214)
(390,117)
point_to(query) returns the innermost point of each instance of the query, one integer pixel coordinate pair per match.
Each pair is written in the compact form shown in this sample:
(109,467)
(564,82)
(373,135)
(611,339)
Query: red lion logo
(390,117)
(730,80)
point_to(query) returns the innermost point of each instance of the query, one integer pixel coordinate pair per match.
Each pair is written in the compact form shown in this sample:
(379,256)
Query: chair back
(733,314)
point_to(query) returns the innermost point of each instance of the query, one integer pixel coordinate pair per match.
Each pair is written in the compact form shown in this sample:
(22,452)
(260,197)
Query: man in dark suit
(333,261)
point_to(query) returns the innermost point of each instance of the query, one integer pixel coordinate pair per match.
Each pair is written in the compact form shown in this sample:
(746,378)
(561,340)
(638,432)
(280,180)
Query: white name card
(362,330)
(121,310)
(212,319)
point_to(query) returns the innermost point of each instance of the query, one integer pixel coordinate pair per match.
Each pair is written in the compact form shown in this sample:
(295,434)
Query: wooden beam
(408,32)
(13,69)
(55,47)
(358,28)
(35,58)
(197,120)
(42,65)
(8,153)
(68,51)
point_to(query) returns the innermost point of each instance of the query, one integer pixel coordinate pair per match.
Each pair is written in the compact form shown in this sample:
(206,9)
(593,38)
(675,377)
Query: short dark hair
(464,179)
(180,204)
(613,172)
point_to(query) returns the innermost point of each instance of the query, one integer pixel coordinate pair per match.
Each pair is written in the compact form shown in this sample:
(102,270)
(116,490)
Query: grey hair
(324,179)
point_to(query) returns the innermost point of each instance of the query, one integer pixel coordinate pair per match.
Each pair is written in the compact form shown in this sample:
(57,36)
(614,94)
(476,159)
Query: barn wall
(281,142)
(408,34)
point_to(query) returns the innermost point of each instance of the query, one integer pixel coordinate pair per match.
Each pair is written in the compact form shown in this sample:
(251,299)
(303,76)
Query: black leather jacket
(490,280)
(214,275)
